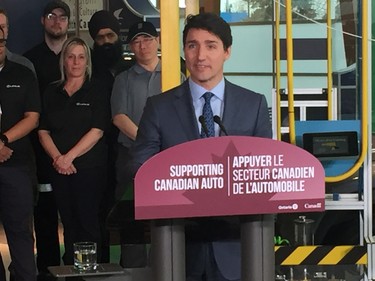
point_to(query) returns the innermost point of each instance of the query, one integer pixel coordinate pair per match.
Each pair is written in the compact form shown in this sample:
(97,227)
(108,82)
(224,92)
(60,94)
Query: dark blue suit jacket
(169,119)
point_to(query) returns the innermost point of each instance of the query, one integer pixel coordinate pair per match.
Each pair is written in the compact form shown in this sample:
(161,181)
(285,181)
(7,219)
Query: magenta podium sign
(232,175)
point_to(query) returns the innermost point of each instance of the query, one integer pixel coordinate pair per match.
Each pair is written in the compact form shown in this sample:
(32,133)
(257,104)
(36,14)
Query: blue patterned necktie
(208,116)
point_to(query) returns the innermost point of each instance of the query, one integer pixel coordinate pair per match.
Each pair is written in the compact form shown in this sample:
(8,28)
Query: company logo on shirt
(13,86)
(82,104)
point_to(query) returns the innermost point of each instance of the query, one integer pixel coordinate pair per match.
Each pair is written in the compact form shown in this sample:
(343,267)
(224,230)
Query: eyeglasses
(3,42)
(145,41)
(54,17)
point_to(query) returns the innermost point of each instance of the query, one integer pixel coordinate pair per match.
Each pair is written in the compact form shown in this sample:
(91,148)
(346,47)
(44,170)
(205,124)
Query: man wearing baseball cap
(132,88)
(129,94)
(45,57)
(141,28)
(57,4)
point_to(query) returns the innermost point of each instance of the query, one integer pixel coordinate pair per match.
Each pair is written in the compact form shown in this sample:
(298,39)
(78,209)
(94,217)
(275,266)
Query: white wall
(252,54)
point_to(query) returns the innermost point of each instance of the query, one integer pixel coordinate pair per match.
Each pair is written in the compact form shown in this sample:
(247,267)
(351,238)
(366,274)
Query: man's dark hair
(211,23)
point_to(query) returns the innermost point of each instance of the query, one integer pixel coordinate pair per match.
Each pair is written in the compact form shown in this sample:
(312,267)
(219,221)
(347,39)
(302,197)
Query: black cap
(141,28)
(57,4)
(103,19)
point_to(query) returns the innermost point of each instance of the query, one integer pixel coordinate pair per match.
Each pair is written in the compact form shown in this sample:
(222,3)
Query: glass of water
(85,256)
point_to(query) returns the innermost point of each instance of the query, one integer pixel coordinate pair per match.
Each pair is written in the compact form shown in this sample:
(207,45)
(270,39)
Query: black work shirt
(107,76)
(69,118)
(46,64)
(18,94)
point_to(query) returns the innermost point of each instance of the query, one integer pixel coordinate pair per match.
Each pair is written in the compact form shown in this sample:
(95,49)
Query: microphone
(203,123)
(217,120)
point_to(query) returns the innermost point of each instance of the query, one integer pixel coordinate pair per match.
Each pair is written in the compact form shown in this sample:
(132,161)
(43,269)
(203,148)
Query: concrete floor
(131,274)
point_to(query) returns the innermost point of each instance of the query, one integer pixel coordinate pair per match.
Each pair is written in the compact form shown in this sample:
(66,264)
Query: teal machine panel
(333,165)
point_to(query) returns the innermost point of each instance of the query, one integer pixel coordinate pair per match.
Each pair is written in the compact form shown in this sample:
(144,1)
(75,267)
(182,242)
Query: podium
(242,176)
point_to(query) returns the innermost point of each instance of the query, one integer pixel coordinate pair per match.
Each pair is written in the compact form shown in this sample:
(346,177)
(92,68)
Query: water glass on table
(85,256)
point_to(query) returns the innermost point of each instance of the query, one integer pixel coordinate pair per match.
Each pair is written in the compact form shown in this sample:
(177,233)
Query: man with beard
(107,62)
(107,54)
(45,58)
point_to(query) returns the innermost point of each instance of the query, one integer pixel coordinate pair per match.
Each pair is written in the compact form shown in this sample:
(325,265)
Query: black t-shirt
(106,74)
(46,64)
(18,94)
(69,118)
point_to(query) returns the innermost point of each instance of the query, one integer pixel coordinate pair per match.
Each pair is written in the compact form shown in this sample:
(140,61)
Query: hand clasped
(5,153)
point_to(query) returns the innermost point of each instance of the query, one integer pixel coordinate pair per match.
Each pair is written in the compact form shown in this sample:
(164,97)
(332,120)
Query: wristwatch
(4,139)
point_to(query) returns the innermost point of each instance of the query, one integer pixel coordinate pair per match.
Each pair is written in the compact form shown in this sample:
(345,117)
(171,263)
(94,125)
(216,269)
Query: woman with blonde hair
(75,114)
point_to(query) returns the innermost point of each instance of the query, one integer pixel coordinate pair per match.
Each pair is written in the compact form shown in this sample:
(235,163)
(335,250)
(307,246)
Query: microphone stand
(217,120)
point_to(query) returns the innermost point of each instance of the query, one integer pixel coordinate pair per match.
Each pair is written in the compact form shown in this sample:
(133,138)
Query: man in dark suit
(175,117)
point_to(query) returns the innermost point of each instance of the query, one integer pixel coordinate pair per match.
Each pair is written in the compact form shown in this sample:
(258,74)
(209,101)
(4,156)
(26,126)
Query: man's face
(106,35)
(4,24)
(145,48)
(56,24)
(2,47)
(205,57)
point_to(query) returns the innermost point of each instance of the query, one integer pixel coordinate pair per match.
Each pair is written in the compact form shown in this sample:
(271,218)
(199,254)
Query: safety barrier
(320,255)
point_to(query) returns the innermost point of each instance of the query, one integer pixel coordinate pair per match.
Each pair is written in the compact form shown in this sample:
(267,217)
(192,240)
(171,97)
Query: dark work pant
(78,198)
(105,207)
(107,203)
(46,231)
(16,210)
(123,181)
(201,264)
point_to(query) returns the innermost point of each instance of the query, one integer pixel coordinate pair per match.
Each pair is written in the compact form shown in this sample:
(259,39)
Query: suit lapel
(185,111)
(231,104)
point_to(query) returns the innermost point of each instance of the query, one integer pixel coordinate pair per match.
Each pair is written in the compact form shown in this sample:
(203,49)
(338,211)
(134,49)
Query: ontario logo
(288,207)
